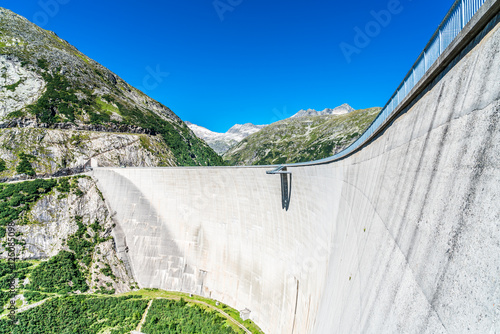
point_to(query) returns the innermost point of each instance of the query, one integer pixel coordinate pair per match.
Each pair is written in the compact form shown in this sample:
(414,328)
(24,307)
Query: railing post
(440,41)
(425,63)
(462,16)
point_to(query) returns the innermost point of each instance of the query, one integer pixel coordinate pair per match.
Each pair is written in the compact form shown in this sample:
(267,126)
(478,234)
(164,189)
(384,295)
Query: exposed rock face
(19,86)
(106,254)
(241,131)
(51,221)
(57,149)
(221,142)
(340,110)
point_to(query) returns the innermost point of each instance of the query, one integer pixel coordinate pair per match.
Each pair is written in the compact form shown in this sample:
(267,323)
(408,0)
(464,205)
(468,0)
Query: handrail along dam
(401,235)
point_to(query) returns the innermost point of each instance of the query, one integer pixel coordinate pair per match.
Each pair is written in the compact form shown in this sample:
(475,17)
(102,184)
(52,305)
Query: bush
(78,314)
(60,274)
(169,316)
(24,165)
(63,185)
(4,297)
(16,198)
(34,296)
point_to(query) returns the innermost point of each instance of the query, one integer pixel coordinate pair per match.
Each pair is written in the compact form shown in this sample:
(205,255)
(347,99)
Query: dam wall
(402,236)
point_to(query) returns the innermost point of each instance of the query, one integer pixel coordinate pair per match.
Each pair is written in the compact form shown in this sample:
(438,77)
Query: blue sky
(217,63)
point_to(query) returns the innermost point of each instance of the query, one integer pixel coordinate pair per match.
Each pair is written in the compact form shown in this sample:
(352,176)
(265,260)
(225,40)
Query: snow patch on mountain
(221,142)
(340,110)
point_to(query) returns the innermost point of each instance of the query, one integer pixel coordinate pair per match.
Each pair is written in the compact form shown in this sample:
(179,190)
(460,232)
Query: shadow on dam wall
(402,236)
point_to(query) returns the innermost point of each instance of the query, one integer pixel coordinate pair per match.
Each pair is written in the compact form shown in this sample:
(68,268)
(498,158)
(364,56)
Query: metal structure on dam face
(401,235)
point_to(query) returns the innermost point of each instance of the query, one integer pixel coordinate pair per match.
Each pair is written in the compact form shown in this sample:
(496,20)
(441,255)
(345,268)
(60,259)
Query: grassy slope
(301,139)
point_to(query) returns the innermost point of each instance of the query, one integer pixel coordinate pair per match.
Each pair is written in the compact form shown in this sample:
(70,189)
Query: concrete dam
(402,235)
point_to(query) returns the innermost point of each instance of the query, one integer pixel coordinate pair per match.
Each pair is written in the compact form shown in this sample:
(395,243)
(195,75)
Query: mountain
(59,109)
(340,110)
(221,142)
(302,138)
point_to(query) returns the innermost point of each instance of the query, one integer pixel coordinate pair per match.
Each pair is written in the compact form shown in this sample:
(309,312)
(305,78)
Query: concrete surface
(401,237)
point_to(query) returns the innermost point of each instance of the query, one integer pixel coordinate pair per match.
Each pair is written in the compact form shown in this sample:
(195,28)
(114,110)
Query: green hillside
(300,139)
(48,83)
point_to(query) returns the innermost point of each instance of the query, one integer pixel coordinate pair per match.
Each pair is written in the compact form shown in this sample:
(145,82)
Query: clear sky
(217,63)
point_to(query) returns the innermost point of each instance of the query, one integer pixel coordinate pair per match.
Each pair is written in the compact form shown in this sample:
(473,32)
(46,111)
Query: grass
(106,107)
(180,316)
(82,57)
(157,293)
(145,142)
(14,85)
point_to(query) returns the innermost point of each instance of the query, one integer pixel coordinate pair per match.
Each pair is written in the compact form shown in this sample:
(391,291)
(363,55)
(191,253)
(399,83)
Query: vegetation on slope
(83,314)
(7,274)
(17,198)
(80,92)
(61,274)
(24,165)
(69,271)
(301,139)
(169,316)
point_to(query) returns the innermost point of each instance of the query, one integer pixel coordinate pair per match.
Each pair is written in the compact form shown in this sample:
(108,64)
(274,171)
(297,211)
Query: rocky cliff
(68,214)
(340,110)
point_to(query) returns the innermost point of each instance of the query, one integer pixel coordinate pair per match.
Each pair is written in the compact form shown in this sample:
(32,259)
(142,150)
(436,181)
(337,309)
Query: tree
(24,165)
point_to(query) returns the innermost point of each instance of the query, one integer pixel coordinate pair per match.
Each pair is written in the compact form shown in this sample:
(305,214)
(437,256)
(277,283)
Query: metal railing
(455,20)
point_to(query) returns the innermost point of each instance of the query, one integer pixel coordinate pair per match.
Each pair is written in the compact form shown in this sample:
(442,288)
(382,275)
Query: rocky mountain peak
(244,129)
(221,142)
(340,110)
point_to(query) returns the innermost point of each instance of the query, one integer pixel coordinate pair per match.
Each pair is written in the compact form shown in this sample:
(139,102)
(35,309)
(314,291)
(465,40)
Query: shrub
(24,165)
(169,316)
(56,274)
(78,314)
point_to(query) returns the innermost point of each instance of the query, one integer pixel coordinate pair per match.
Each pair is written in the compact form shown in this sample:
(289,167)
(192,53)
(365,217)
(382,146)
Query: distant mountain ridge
(340,110)
(302,138)
(221,142)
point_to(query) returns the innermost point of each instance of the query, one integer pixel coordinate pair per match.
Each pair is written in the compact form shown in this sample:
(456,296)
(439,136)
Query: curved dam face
(403,236)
